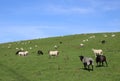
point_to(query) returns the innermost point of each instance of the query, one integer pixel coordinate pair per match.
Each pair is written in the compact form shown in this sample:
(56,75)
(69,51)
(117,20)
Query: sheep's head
(81,57)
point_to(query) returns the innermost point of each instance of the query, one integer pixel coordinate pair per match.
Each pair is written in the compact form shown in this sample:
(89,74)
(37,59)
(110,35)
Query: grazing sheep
(97,52)
(9,47)
(84,40)
(36,46)
(92,36)
(87,62)
(22,53)
(103,41)
(55,46)
(53,53)
(105,35)
(100,59)
(81,45)
(113,35)
(30,48)
(60,42)
(40,52)
(16,48)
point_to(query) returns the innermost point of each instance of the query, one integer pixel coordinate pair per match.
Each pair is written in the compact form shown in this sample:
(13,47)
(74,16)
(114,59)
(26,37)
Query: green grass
(65,67)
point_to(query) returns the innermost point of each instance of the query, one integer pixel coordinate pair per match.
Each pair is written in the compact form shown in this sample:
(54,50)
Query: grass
(65,67)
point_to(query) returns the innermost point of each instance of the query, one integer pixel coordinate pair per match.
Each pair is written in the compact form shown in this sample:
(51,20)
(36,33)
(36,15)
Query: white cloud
(105,5)
(59,9)
(88,6)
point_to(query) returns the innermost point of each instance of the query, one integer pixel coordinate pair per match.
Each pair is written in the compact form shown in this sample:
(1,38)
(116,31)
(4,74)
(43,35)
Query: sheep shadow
(101,66)
(86,69)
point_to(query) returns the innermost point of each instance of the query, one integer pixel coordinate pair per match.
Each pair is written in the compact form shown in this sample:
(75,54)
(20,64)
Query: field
(67,66)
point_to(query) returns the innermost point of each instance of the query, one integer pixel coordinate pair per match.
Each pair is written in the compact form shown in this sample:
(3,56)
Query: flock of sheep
(87,61)
(99,57)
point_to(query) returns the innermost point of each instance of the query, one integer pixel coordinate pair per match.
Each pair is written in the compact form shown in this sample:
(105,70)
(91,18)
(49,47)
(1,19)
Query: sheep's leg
(106,63)
(102,64)
(85,64)
(88,67)
(92,67)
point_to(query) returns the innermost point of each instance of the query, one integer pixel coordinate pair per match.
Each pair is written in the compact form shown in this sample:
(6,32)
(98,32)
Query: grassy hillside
(65,67)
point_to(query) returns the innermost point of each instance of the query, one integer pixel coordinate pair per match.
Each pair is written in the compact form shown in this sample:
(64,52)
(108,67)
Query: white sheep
(81,45)
(36,46)
(97,52)
(53,53)
(30,48)
(17,48)
(105,35)
(23,53)
(113,35)
(84,40)
(55,46)
(92,36)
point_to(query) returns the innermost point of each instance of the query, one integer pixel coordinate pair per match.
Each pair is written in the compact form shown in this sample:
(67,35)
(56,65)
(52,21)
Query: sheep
(101,59)
(103,41)
(87,62)
(16,48)
(84,40)
(81,45)
(97,52)
(113,35)
(53,53)
(105,35)
(22,53)
(36,46)
(60,42)
(30,48)
(55,46)
(25,53)
(39,52)
(9,47)
(92,36)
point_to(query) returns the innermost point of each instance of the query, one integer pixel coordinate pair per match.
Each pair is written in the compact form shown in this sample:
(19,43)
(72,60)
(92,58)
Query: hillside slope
(65,67)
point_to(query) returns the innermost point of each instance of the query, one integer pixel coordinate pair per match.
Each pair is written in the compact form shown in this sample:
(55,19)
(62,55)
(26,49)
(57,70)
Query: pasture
(67,66)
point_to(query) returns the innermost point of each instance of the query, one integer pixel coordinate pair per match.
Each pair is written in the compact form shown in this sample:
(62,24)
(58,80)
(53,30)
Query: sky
(33,19)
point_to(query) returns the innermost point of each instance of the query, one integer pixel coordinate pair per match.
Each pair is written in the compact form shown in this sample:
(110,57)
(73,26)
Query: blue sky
(31,19)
